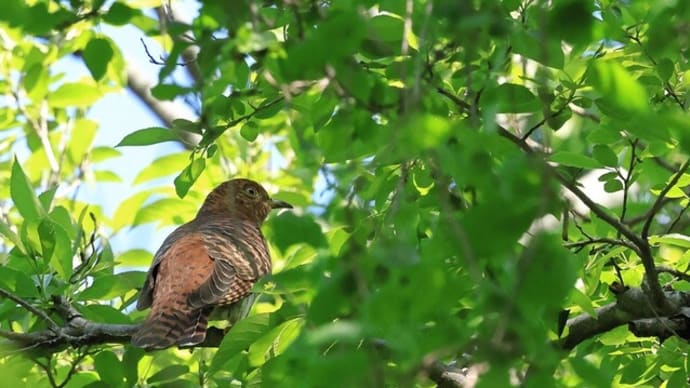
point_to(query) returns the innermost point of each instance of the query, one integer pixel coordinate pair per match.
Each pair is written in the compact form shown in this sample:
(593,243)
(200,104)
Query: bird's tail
(163,329)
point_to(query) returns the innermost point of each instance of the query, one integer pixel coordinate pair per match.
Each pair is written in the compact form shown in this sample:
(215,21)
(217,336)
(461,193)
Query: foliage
(484,188)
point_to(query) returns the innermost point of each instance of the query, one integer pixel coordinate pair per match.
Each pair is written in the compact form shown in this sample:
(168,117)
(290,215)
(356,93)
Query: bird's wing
(240,257)
(180,269)
(146,296)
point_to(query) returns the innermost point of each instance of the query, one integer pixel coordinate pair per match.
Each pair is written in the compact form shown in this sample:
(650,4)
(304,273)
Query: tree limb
(631,306)
(52,325)
(81,332)
(446,376)
(644,250)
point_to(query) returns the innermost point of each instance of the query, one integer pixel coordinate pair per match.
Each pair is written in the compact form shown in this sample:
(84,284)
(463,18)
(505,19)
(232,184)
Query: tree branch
(578,245)
(632,305)
(659,203)
(644,249)
(52,325)
(446,376)
(82,332)
(76,332)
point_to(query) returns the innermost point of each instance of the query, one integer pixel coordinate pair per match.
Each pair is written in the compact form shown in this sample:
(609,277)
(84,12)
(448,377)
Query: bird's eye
(251,191)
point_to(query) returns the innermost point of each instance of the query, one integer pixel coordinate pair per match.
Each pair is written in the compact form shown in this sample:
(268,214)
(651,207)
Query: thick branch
(632,305)
(39,313)
(446,376)
(81,332)
(77,331)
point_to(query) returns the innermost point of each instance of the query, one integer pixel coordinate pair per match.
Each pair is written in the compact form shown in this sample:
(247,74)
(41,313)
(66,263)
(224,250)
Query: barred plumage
(212,261)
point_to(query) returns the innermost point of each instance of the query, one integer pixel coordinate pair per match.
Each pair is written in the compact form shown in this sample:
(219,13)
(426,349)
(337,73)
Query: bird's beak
(277,204)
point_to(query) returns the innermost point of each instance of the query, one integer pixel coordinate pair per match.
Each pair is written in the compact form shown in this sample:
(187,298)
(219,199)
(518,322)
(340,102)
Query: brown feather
(212,261)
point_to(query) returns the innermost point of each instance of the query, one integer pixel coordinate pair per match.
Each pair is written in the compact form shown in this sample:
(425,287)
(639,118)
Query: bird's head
(241,198)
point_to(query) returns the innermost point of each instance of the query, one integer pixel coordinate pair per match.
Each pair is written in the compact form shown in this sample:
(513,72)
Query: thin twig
(660,199)
(644,250)
(40,127)
(578,245)
(627,178)
(460,103)
(680,275)
(161,58)
(39,313)
(643,217)
(256,110)
(678,217)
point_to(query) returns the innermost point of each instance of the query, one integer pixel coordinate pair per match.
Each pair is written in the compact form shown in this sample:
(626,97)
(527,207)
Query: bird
(207,265)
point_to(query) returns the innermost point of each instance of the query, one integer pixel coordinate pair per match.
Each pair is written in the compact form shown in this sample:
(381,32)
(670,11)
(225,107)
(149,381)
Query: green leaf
(665,69)
(618,87)
(165,211)
(168,92)
(571,20)
(274,342)
(56,247)
(23,194)
(46,198)
(81,141)
(674,239)
(539,47)
(106,176)
(239,338)
(594,376)
(75,94)
(97,55)
(130,360)
(555,120)
(99,154)
(119,14)
(36,81)
(604,136)
(127,211)
(188,176)
(168,373)
(109,368)
(162,167)
(134,258)
(289,228)
(107,287)
(339,331)
(583,301)
(186,125)
(385,27)
(249,131)
(617,336)
(12,236)
(105,314)
(510,98)
(147,136)
(605,155)
(613,185)
(574,159)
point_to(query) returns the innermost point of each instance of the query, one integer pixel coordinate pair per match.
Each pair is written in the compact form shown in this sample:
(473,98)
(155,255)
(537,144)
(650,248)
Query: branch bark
(633,307)
(446,376)
(81,332)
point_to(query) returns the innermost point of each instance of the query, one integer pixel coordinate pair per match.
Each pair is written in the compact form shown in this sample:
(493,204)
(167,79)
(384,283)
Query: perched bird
(209,263)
